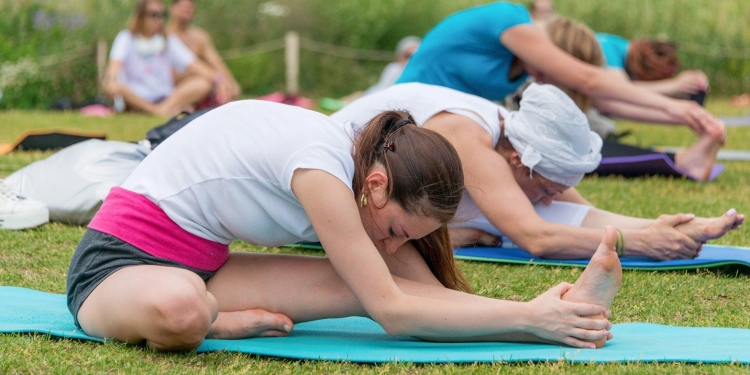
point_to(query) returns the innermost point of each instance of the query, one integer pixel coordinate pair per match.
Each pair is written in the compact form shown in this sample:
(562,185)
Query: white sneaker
(17,212)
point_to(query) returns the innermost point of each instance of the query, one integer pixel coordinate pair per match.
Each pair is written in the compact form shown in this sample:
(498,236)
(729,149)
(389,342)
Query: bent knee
(184,316)
(112,88)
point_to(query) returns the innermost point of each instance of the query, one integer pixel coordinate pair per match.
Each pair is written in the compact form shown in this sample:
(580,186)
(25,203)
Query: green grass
(39,258)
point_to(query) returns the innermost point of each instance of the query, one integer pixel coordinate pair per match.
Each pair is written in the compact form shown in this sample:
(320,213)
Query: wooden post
(291,54)
(101,63)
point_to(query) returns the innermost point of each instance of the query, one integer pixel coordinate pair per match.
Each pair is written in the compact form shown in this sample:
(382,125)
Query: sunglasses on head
(158,15)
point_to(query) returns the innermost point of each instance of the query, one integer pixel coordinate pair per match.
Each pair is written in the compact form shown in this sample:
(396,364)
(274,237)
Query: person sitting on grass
(199,42)
(518,163)
(139,73)
(154,266)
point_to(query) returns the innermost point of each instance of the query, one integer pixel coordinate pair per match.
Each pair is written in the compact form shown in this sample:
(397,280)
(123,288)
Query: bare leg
(309,288)
(190,90)
(601,279)
(166,308)
(703,229)
(698,159)
(131,98)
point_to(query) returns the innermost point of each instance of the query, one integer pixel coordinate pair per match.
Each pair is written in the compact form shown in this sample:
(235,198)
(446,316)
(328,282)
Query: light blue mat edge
(362,340)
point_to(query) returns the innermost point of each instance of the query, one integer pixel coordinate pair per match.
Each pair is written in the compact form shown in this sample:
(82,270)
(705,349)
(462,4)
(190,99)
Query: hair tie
(389,146)
(400,124)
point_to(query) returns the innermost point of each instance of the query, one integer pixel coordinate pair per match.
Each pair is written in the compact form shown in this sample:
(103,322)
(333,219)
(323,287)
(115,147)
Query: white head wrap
(552,136)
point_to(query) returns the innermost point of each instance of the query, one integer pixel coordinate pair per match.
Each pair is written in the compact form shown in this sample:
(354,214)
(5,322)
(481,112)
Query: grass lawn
(39,258)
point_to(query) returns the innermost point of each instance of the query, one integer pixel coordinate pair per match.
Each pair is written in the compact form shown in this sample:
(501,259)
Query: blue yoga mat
(711,256)
(362,340)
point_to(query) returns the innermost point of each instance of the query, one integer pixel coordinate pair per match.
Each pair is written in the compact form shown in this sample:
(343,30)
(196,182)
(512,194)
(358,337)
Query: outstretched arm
(333,212)
(633,112)
(537,51)
(493,188)
(227,86)
(686,83)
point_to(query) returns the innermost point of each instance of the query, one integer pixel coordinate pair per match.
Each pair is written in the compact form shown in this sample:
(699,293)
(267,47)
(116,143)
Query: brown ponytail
(424,177)
(437,251)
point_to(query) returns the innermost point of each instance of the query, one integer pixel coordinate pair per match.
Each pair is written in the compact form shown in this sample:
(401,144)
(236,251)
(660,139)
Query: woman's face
(390,226)
(183,11)
(154,19)
(537,188)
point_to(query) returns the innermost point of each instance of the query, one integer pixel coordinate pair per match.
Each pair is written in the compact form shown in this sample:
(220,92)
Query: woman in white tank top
(269,173)
(521,169)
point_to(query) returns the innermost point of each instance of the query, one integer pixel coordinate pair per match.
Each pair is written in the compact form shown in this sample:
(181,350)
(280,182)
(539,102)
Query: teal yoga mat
(362,340)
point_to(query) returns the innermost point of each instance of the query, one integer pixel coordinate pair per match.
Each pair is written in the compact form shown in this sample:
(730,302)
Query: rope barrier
(257,49)
(352,53)
(380,55)
(310,45)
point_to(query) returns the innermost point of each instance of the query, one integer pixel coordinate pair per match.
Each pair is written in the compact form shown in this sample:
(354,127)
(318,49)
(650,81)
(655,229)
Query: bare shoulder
(200,35)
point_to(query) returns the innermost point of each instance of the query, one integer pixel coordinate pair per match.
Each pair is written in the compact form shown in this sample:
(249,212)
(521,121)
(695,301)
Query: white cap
(552,135)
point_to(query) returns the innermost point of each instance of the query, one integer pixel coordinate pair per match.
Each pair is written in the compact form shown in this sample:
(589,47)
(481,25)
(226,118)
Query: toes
(610,238)
(277,322)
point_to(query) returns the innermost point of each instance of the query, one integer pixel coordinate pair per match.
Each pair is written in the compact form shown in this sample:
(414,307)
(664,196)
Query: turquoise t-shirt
(463,52)
(615,49)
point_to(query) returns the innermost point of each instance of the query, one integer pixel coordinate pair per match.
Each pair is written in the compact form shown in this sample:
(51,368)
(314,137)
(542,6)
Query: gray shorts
(98,256)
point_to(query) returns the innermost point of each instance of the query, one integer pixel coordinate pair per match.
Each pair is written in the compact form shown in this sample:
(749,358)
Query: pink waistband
(135,219)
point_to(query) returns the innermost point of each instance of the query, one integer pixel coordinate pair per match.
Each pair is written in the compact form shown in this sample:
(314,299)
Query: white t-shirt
(424,101)
(149,73)
(228,173)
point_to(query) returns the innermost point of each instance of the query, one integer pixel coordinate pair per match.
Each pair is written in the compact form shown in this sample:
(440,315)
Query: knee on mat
(186,319)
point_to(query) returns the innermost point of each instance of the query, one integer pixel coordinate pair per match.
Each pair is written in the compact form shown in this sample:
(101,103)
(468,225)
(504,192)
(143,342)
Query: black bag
(158,134)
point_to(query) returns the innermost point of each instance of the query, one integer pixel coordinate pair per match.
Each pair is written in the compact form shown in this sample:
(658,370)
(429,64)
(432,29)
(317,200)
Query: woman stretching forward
(154,265)
(514,160)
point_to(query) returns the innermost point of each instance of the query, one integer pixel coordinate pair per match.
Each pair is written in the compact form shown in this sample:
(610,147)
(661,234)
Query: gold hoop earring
(362,200)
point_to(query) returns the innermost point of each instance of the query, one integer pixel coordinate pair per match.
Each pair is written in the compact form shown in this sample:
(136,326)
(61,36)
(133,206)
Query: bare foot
(601,279)
(249,323)
(702,229)
(698,160)
(466,237)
